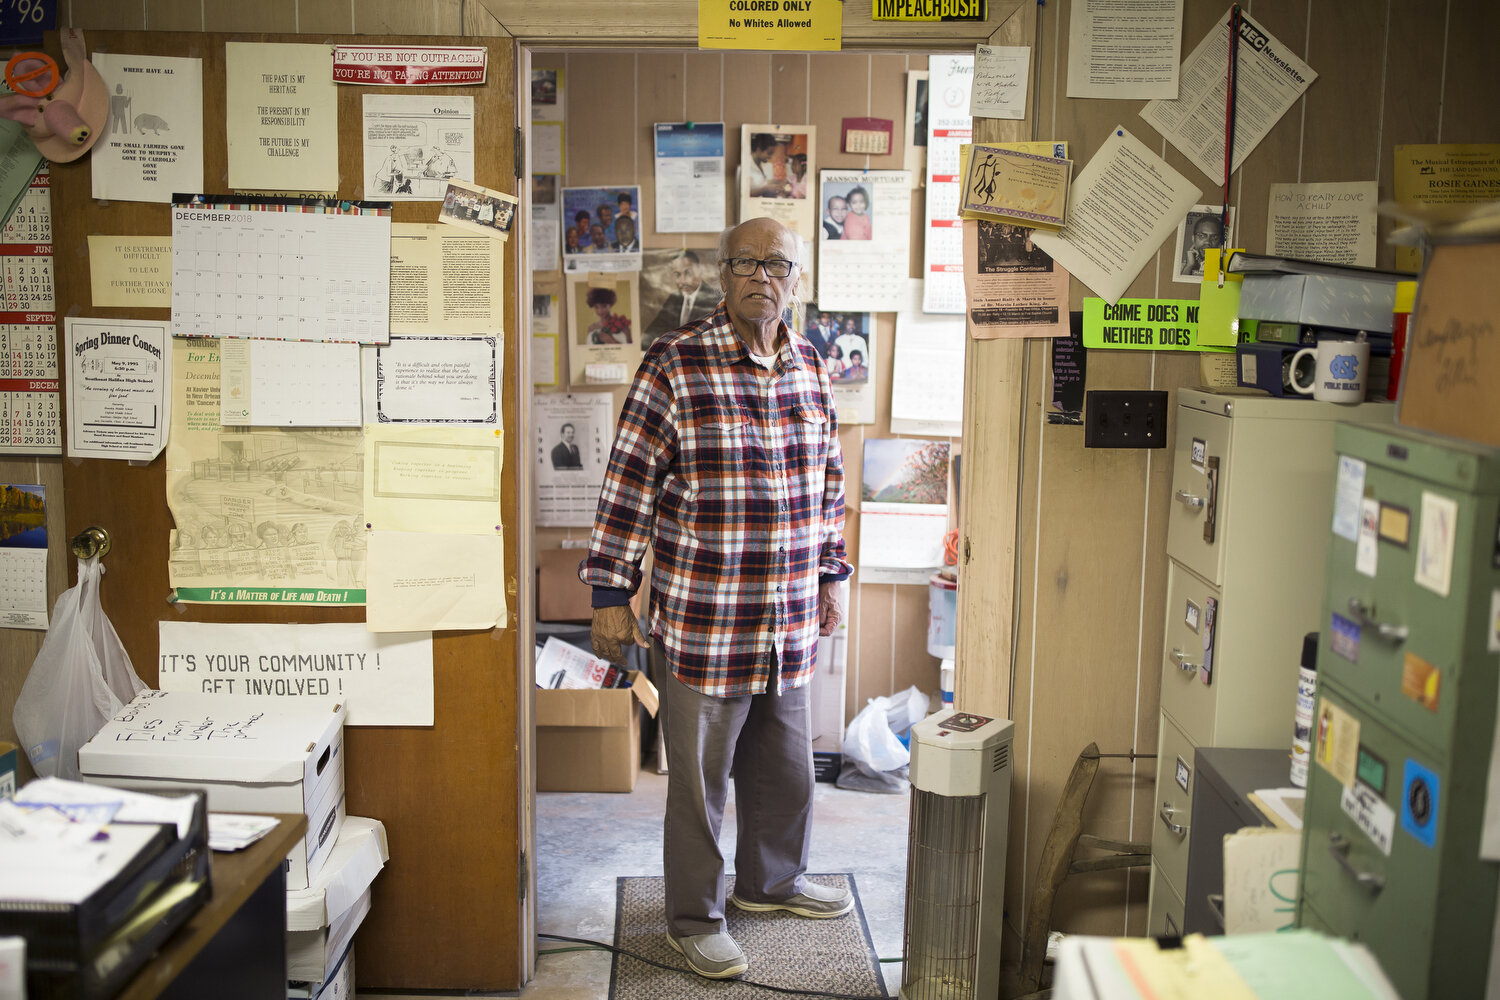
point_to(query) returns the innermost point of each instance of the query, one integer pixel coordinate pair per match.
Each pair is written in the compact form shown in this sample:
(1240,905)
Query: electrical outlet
(1125,418)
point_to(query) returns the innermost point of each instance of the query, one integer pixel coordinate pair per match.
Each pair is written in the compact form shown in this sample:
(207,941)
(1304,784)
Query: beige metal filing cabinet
(1252,498)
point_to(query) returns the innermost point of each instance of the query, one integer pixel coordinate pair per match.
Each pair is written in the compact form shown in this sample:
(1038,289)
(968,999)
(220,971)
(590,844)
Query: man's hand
(611,627)
(829,611)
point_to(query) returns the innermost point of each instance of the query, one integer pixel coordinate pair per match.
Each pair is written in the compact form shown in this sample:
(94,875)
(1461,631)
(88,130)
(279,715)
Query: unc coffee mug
(1340,370)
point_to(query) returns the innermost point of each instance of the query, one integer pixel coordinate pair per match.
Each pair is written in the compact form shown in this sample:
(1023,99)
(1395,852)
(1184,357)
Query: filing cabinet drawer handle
(1365,615)
(1188,499)
(1166,813)
(1183,663)
(1338,849)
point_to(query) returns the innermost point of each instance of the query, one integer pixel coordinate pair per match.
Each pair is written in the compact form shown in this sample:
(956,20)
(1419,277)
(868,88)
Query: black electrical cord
(745,982)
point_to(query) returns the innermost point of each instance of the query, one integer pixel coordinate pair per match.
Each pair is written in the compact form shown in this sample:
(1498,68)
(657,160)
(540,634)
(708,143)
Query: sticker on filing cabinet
(1210,612)
(1369,771)
(1494,629)
(1343,637)
(1419,802)
(1369,812)
(1395,524)
(1420,681)
(1435,535)
(1200,453)
(1337,748)
(1190,616)
(1347,495)
(1366,545)
(1183,774)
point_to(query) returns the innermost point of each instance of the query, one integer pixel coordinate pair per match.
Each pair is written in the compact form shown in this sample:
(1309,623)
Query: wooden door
(446,909)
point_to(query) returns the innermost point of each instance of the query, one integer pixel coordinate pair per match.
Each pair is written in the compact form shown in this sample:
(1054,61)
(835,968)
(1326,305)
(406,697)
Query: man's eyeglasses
(746,266)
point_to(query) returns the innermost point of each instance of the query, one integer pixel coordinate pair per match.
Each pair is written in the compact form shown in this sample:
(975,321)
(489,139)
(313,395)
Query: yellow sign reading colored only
(776,25)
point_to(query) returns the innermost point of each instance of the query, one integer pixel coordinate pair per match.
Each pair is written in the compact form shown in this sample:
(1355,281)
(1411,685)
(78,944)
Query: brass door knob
(90,542)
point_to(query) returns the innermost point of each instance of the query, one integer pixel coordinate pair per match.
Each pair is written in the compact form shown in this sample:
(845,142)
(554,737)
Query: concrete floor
(584,841)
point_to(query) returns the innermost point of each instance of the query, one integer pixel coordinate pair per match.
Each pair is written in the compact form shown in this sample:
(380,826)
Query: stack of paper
(237,831)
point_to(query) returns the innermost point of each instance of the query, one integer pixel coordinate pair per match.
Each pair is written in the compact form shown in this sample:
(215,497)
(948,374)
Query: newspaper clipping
(1269,80)
(1016,288)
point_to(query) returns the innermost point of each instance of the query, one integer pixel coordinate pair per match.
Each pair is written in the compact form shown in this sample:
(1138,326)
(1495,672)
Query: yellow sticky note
(1218,304)
(1194,970)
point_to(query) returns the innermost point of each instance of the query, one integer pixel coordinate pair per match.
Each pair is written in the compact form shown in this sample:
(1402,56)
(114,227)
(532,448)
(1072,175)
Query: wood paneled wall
(609,141)
(1092,562)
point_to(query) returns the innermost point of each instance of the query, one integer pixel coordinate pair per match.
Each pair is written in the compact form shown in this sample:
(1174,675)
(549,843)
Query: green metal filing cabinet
(1405,719)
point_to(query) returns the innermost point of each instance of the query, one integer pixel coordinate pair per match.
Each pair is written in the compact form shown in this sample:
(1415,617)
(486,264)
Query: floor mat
(833,955)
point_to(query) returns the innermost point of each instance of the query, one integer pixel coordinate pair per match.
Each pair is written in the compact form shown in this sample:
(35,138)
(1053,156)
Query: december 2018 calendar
(30,389)
(281,269)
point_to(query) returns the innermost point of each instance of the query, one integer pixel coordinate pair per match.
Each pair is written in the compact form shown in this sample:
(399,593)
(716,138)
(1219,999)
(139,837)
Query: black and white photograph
(1007,249)
(678,287)
(1202,229)
(478,209)
(571,447)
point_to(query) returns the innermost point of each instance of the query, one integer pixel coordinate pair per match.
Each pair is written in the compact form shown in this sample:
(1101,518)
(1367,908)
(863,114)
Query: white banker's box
(256,755)
(321,919)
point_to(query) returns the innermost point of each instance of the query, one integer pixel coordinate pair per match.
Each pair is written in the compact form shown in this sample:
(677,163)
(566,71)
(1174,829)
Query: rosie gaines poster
(604,327)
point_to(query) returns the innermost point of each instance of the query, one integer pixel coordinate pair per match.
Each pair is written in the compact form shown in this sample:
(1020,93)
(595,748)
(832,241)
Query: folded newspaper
(563,666)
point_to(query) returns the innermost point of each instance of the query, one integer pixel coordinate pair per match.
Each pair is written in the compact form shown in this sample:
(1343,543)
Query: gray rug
(833,955)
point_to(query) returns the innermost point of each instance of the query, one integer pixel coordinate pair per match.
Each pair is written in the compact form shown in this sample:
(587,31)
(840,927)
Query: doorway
(607,102)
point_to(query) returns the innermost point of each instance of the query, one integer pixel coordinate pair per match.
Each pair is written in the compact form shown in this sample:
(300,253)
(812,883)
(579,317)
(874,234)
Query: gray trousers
(767,740)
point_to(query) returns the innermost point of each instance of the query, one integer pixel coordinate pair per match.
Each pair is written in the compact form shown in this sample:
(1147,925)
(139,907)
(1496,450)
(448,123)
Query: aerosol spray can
(1307,688)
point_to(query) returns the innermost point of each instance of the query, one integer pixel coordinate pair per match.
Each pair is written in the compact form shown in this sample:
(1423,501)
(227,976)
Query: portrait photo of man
(565,454)
(691,297)
(1202,230)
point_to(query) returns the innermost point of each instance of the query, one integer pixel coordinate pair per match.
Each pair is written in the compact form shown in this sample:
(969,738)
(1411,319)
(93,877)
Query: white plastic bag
(80,679)
(904,708)
(871,744)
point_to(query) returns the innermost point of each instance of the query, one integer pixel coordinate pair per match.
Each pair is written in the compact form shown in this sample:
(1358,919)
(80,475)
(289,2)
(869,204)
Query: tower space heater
(955,858)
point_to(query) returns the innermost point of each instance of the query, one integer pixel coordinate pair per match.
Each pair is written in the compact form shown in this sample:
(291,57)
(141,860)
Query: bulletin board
(446,907)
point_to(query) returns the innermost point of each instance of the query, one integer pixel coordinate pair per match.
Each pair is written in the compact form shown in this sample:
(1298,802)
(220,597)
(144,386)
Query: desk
(235,946)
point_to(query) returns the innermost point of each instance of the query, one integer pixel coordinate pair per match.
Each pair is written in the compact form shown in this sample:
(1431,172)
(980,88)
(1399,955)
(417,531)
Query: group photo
(601,221)
(843,341)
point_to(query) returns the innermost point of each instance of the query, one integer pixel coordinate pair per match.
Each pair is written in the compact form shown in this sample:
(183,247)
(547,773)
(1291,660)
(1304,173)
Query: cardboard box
(1453,347)
(590,741)
(321,919)
(255,755)
(560,595)
(340,985)
(8,765)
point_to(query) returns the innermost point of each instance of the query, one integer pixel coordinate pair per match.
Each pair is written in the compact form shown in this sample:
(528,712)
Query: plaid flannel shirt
(736,481)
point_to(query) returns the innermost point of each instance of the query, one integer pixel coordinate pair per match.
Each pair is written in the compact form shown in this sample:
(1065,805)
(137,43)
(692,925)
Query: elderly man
(727,466)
